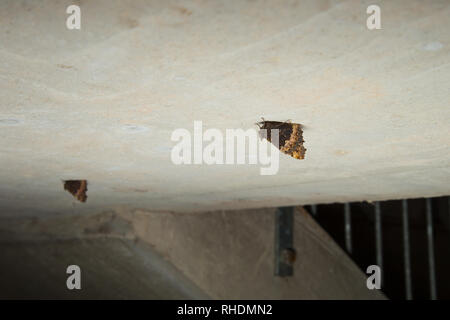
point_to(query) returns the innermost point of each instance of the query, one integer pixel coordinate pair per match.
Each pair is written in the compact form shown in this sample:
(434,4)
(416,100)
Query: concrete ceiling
(101,103)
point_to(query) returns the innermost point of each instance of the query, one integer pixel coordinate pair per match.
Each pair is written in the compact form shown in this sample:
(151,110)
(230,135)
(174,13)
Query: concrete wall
(157,255)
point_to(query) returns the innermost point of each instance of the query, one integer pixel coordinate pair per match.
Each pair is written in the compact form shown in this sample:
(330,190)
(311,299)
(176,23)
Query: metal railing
(406,241)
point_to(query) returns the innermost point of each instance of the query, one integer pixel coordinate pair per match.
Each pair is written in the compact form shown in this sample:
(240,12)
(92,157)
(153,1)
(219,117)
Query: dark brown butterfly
(290,137)
(77,188)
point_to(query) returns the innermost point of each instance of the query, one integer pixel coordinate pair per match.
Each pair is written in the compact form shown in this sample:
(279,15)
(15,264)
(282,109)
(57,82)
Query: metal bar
(378,238)
(406,252)
(284,234)
(432,274)
(348,228)
(314,210)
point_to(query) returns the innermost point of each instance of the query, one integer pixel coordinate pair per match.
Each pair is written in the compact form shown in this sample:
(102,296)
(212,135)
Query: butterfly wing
(77,188)
(290,137)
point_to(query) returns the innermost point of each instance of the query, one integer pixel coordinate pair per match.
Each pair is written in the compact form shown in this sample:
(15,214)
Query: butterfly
(77,188)
(290,137)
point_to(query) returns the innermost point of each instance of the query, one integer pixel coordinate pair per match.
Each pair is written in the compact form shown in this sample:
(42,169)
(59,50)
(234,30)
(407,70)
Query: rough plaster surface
(222,254)
(101,103)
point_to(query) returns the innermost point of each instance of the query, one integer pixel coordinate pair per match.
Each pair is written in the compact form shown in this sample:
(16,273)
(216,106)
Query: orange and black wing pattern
(290,137)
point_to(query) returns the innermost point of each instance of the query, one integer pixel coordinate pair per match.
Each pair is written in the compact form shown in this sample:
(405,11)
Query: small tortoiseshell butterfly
(77,188)
(290,137)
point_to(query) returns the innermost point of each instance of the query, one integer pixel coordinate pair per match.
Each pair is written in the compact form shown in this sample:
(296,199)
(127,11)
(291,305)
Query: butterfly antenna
(258,123)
